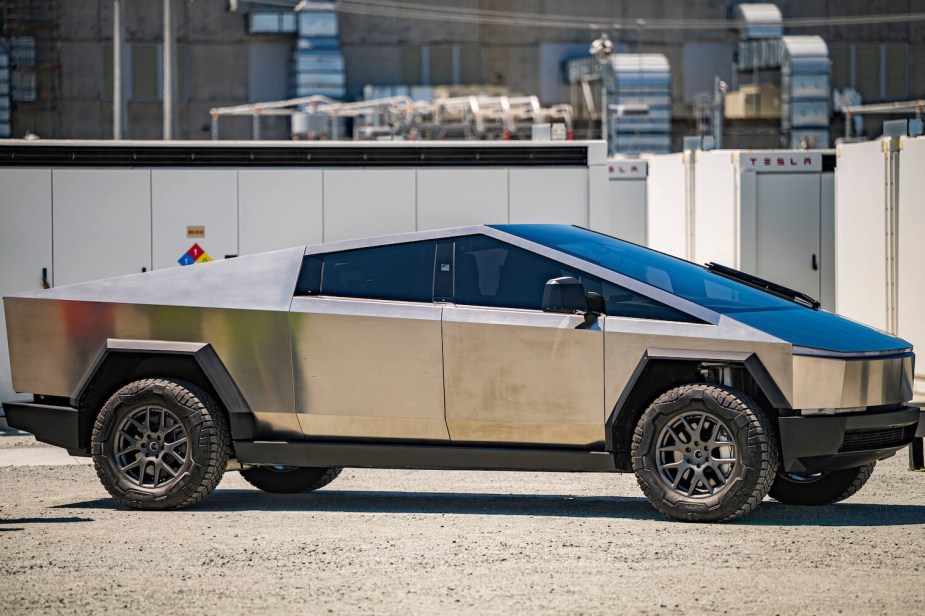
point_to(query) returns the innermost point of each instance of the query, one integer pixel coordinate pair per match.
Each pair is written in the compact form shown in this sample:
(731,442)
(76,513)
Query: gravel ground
(460,542)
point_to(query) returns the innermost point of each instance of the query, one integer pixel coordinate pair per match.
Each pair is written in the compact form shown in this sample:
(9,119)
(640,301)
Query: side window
(403,272)
(493,273)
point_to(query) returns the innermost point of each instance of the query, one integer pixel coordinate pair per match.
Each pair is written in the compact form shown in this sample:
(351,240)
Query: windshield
(676,276)
(795,323)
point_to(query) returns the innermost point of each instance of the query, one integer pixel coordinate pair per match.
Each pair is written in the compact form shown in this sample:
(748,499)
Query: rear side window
(403,272)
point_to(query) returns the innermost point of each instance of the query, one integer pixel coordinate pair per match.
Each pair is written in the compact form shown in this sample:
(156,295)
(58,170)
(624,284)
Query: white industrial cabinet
(25,244)
(190,208)
(558,196)
(879,248)
(767,213)
(102,223)
(279,208)
(666,204)
(626,199)
(366,202)
(460,197)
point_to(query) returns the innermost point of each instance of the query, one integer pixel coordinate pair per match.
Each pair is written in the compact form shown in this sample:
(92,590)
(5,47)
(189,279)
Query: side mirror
(565,294)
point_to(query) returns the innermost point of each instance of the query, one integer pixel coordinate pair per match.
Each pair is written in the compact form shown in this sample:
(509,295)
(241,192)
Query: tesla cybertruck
(503,347)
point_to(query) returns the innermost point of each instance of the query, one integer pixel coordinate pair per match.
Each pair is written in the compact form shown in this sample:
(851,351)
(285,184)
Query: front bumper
(63,426)
(833,442)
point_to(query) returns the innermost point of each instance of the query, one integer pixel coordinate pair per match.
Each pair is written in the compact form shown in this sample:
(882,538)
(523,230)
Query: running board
(274,453)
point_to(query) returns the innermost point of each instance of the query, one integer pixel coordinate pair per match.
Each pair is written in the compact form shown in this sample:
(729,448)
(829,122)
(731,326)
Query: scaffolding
(400,117)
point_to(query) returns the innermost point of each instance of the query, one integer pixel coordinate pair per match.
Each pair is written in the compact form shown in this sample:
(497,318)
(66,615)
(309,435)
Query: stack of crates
(805,92)
(318,65)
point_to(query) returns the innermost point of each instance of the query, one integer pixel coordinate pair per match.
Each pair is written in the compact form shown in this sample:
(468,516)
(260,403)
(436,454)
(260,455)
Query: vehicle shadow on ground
(18,521)
(770,513)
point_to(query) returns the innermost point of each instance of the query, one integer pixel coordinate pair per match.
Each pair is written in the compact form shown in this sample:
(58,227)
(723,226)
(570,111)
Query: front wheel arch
(657,373)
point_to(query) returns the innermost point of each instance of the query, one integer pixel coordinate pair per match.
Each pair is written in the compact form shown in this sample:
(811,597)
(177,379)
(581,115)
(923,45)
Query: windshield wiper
(765,285)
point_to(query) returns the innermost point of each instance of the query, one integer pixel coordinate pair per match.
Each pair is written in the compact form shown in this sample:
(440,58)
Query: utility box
(626,199)
(768,213)
(880,254)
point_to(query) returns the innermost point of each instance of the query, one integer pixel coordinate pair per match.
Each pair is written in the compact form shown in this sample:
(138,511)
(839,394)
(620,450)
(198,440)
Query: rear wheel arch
(121,362)
(658,372)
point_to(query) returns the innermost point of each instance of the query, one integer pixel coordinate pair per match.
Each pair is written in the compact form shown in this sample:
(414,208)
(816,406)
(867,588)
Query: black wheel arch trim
(748,360)
(241,418)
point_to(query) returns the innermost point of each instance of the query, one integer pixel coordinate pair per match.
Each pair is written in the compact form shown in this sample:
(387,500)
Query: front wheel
(704,453)
(820,488)
(289,479)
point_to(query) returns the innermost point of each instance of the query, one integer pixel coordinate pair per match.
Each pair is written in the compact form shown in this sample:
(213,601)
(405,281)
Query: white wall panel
(182,198)
(102,223)
(860,233)
(665,204)
(459,197)
(367,202)
(25,245)
(279,208)
(911,261)
(549,196)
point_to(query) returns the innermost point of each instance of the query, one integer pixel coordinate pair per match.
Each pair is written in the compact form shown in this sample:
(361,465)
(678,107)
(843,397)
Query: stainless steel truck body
(516,347)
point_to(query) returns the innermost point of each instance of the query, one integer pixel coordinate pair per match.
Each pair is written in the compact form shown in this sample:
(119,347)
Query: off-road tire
(204,460)
(824,489)
(290,479)
(750,477)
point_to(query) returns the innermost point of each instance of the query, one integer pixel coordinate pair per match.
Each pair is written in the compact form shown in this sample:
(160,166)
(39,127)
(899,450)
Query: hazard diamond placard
(194,255)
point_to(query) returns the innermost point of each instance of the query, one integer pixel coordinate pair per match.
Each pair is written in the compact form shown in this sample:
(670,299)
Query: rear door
(367,348)
(514,374)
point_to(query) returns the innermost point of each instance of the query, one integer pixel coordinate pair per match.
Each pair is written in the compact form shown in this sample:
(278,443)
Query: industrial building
(56,61)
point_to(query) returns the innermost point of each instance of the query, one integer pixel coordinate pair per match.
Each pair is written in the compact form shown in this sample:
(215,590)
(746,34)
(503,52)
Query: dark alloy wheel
(820,488)
(704,453)
(289,479)
(160,444)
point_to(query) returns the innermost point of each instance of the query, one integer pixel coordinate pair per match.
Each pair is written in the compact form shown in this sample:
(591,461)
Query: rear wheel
(704,453)
(820,488)
(289,479)
(160,444)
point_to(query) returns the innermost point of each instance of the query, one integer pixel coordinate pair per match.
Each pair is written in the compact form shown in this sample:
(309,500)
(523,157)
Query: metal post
(168,70)
(214,127)
(118,102)
(256,126)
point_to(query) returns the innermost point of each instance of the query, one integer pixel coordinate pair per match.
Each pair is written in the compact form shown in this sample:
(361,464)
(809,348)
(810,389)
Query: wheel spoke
(677,464)
(175,444)
(131,439)
(723,460)
(157,472)
(677,438)
(137,424)
(671,448)
(690,429)
(141,470)
(132,465)
(179,459)
(129,449)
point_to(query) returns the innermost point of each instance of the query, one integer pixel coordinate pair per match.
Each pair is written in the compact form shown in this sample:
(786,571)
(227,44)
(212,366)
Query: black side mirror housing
(565,294)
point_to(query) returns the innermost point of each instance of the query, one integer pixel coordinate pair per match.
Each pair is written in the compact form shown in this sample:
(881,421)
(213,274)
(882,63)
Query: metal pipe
(118,101)
(168,70)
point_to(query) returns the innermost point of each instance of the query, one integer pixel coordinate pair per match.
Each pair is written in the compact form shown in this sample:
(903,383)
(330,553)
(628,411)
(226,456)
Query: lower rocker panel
(421,456)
